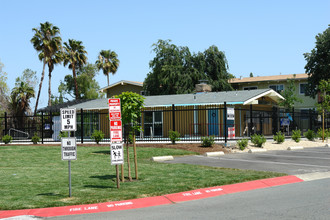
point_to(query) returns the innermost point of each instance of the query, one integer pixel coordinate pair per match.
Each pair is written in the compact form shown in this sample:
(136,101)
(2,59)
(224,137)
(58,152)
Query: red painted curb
(92,208)
(233,188)
(153,201)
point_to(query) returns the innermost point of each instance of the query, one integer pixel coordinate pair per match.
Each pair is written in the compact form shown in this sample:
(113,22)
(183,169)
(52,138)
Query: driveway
(308,160)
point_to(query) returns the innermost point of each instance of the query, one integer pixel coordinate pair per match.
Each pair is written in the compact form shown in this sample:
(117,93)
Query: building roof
(56,108)
(268,78)
(231,97)
(122,82)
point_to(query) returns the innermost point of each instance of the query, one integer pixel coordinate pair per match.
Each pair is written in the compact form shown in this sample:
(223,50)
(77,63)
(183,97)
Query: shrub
(310,135)
(207,141)
(63,134)
(258,140)
(97,136)
(174,136)
(242,144)
(296,135)
(7,139)
(326,133)
(279,137)
(35,139)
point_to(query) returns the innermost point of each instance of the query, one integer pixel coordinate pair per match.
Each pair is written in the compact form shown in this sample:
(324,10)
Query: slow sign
(117,153)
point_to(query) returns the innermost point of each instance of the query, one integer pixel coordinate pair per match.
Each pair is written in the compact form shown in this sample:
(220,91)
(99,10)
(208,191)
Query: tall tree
(48,43)
(324,106)
(75,56)
(216,69)
(20,99)
(87,85)
(4,90)
(290,97)
(318,62)
(108,62)
(174,70)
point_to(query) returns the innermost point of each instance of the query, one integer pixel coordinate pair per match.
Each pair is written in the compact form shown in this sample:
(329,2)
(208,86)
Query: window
(250,88)
(277,88)
(153,123)
(302,88)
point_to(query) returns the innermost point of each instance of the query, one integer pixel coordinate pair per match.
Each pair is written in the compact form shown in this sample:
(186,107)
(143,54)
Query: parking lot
(308,160)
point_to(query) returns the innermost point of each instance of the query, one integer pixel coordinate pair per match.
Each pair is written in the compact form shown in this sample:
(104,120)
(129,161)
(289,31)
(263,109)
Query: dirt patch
(194,147)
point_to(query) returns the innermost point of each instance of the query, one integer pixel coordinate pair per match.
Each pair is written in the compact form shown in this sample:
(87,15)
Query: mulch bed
(194,147)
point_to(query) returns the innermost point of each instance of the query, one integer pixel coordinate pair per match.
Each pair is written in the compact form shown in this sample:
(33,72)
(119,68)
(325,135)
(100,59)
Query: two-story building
(279,84)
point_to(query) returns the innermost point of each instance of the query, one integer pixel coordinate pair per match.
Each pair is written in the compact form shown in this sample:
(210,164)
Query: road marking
(273,155)
(261,161)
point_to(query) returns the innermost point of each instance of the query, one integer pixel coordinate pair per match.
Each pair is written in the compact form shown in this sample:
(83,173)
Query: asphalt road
(308,160)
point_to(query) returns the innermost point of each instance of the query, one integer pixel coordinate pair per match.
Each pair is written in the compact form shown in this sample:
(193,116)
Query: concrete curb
(162,158)
(296,148)
(257,150)
(214,154)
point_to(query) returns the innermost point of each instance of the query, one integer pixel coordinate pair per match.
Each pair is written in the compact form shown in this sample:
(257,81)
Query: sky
(262,37)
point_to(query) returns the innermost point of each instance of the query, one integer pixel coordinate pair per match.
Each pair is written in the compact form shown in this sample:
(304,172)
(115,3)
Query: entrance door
(213,122)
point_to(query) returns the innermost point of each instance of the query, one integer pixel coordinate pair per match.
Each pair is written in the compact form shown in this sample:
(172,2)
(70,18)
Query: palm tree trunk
(40,85)
(50,89)
(75,81)
(108,78)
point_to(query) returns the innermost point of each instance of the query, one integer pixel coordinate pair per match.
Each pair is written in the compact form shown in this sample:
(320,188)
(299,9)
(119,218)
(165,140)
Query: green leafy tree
(75,56)
(4,90)
(131,105)
(20,99)
(108,62)
(174,70)
(86,83)
(251,74)
(48,43)
(289,95)
(318,62)
(324,106)
(216,69)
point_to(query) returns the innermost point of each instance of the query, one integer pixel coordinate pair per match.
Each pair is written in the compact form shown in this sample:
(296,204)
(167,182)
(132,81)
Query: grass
(35,176)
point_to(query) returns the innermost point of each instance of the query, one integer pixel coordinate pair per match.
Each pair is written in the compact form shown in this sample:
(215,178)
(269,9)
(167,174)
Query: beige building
(123,86)
(277,83)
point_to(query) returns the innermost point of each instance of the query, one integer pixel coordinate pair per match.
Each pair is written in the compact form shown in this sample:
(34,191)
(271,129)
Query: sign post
(69,146)
(116,146)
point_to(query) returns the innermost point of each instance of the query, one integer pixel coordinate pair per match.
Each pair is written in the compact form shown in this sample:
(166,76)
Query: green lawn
(35,176)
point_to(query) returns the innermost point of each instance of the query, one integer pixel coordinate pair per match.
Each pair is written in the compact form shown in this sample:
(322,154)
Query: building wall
(116,90)
(307,103)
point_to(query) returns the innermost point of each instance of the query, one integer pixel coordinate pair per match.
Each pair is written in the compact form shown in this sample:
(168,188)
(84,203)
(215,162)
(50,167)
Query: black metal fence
(190,121)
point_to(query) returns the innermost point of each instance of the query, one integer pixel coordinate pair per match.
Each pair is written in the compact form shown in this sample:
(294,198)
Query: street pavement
(304,200)
(308,160)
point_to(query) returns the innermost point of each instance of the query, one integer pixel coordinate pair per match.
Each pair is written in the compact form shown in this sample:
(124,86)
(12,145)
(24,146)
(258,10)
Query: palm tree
(108,62)
(48,44)
(20,100)
(75,55)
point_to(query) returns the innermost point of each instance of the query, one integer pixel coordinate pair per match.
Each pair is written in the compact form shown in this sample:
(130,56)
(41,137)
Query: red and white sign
(231,132)
(116,131)
(114,109)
